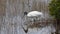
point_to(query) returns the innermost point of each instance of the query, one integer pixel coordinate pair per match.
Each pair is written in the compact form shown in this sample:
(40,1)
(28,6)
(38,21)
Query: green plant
(54,8)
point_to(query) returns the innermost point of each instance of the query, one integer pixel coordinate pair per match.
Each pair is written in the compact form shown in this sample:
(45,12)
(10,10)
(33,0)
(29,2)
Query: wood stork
(34,15)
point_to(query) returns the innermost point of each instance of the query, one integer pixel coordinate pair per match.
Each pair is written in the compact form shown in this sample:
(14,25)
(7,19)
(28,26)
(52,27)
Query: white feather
(34,14)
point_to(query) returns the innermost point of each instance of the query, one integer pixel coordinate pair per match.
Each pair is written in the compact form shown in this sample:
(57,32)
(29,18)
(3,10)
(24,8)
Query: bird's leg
(32,21)
(36,18)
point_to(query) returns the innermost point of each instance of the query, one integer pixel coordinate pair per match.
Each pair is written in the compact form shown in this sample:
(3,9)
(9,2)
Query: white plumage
(34,14)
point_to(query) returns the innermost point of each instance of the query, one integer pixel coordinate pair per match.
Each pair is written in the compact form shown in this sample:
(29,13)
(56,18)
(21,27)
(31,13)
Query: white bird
(34,14)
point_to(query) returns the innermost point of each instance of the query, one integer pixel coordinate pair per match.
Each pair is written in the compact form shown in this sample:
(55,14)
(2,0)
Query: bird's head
(25,13)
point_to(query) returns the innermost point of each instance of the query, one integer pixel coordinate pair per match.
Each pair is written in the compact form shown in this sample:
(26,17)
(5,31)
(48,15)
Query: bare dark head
(25,13)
